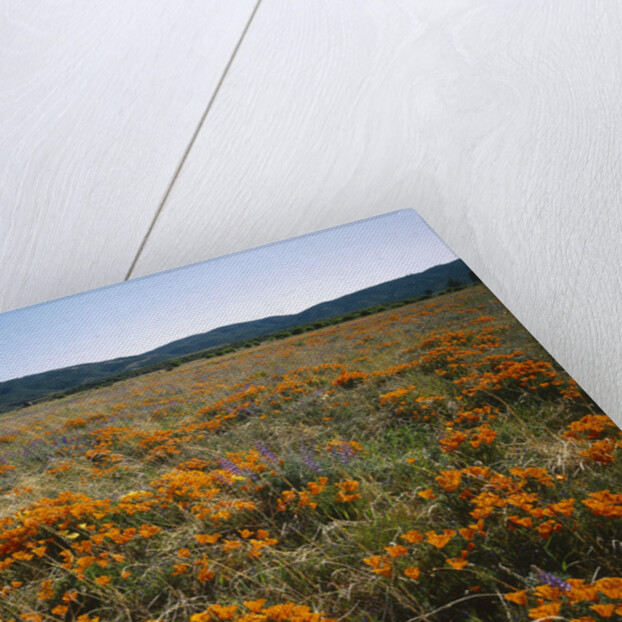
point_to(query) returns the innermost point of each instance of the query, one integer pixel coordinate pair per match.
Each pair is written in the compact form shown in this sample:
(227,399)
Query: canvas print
(343,426)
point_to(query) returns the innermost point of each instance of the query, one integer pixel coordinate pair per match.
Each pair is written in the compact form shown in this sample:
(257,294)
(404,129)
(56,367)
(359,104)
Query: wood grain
(98,102)
(499,122)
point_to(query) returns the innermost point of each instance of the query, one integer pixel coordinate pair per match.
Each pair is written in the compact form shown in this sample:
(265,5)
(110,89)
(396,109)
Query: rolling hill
(14,393)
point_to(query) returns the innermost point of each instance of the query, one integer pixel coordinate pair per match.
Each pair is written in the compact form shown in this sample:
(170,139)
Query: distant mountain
(20,390)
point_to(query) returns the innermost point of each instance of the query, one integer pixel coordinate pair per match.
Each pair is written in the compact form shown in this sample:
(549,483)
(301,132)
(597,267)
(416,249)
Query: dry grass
(313,463)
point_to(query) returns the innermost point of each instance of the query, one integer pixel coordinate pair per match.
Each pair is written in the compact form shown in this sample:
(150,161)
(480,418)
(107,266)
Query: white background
(140,136)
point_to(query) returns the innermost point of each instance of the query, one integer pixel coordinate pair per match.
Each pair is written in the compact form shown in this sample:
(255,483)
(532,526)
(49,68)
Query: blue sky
(281,278)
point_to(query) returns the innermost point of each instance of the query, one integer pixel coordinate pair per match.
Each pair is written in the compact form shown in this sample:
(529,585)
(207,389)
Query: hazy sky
(281,278)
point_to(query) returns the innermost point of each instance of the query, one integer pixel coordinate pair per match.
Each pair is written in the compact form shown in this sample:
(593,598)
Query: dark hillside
(16,392)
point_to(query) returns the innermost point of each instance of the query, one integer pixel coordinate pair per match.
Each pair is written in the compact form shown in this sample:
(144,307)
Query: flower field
(430,462)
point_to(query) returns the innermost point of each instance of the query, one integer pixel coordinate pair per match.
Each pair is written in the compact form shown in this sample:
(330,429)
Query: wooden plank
(499,122)
(98,102)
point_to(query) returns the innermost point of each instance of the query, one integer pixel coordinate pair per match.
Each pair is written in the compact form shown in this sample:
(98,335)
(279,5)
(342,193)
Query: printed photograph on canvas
(346,425)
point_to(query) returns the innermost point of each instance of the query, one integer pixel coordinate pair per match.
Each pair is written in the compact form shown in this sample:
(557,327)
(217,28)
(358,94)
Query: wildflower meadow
(429,462)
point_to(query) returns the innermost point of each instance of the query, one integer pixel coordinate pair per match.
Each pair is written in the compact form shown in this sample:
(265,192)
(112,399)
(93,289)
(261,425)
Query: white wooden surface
(98,102)
(498,121)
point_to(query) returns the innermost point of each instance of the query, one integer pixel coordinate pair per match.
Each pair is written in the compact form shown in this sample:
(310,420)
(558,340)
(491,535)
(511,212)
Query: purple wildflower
(265,452)
(550,579)
(233,468)
(307,458)
(230,466)
(343,452)
(220,478)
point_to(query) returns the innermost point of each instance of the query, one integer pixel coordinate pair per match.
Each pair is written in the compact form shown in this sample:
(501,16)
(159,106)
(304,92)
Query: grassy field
(429,462)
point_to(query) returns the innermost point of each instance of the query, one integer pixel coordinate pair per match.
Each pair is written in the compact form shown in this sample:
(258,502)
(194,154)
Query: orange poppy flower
(412,573)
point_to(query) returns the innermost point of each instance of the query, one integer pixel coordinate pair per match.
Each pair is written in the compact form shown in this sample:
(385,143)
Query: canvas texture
(341,426)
